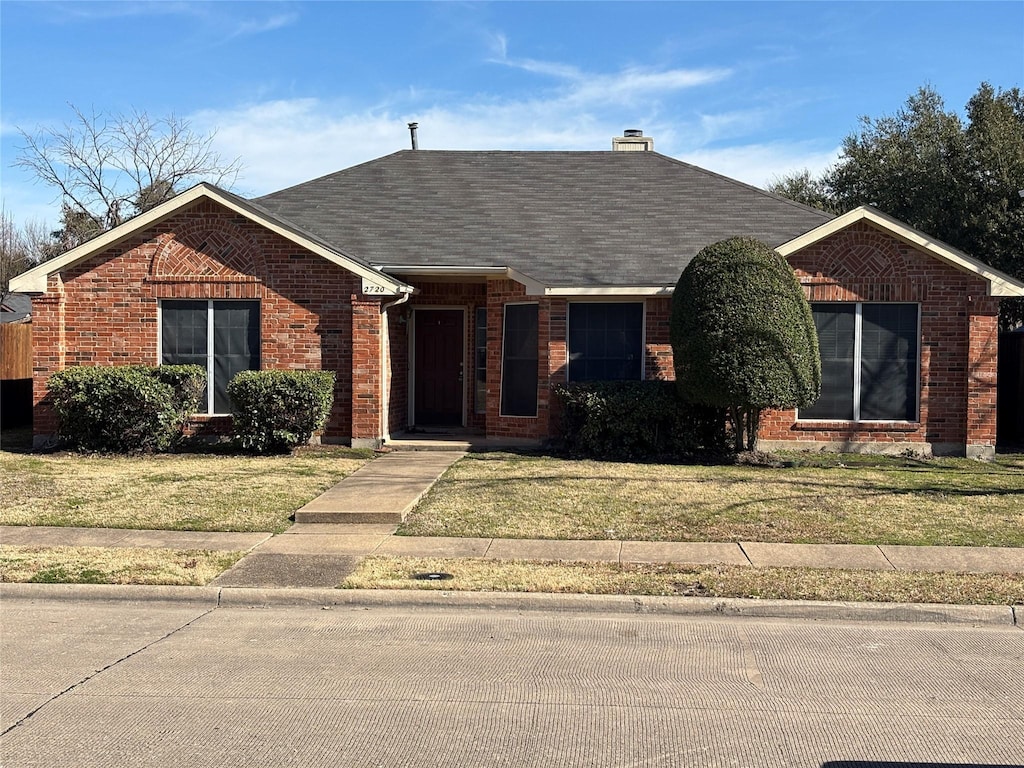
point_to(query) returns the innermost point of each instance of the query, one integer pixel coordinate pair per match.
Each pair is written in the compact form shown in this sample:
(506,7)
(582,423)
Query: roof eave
(534,287)
(34,280)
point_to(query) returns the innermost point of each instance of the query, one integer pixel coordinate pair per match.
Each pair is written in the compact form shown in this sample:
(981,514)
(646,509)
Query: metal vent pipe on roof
(412,133)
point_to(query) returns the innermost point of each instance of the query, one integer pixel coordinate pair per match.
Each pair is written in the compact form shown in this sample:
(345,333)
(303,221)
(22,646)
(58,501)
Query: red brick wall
(658,348)
(110,302)
(865,264)
(105,311)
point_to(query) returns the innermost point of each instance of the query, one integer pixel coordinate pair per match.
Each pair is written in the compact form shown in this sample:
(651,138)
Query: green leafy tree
(804,188)
(742,334)
(955,179)
(107,168)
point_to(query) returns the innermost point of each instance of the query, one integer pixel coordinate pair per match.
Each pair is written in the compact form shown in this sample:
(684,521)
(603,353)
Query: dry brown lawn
(124,565)
(195,492)
(480,575)
(817,498)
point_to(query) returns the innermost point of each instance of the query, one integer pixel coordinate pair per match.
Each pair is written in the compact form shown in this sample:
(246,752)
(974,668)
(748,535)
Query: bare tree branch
(107,168)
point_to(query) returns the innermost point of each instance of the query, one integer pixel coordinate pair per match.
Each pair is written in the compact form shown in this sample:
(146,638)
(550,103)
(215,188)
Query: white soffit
(34,281)
(1000,284)
(533,287)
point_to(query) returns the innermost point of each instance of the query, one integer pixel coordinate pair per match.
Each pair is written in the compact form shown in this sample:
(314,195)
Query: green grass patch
(812,498)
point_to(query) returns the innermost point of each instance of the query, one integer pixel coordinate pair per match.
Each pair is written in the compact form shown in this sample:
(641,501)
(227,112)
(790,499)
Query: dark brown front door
(439,361)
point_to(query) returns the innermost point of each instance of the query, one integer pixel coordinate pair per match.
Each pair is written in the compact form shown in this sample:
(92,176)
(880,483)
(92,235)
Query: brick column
(48,357)
(982,353)
(367,375)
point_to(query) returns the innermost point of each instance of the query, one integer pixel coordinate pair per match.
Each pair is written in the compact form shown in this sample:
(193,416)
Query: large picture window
(519,361)
(606,341)
(221,336)
(869,362)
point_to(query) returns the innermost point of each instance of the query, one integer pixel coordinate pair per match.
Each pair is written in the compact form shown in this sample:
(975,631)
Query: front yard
(188,492)
(818,498)
(813,498)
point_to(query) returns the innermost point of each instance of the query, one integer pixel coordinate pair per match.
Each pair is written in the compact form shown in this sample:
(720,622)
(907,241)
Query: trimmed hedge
(127,408)
(275,411)
(629,420)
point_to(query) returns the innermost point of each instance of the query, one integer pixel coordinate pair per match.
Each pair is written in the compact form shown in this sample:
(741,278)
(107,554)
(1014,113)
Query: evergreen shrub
(637,420)
(275,411)
(127,408)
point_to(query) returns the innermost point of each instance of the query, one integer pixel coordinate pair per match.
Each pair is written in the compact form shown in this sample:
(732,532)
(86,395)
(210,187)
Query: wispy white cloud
(67,12)
(625,86)
(259,26)
(215,19)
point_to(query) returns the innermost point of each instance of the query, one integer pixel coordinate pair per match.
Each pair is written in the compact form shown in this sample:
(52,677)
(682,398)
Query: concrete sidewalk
(358,517)
(343,542)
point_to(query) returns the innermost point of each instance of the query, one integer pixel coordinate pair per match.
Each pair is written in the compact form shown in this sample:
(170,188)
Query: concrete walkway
(380,491)
(320,550)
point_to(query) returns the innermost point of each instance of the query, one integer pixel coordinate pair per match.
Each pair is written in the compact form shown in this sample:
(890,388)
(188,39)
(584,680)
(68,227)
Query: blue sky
(297,90)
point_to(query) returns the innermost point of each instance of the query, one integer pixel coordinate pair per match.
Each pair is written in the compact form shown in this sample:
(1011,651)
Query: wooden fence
(15,351)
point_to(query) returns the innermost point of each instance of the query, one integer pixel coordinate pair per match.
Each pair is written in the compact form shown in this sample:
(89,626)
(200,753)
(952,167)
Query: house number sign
(372,289)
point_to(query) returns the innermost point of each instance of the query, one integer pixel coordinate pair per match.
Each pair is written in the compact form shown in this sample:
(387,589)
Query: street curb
(249,597)
(129,593)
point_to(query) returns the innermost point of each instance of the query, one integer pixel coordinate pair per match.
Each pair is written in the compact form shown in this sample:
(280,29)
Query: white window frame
(858,324)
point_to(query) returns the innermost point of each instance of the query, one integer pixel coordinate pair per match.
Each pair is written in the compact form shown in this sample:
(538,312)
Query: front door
(439,346)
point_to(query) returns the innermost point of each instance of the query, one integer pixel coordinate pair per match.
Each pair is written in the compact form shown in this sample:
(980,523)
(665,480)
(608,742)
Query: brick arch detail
(854,254)
(206,248)
(859,264)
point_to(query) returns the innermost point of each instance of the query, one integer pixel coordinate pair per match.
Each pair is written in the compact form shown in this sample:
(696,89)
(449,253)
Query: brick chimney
(632,140)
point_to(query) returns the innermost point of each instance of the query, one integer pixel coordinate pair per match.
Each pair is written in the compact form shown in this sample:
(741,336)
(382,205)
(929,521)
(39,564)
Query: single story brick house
(452,290)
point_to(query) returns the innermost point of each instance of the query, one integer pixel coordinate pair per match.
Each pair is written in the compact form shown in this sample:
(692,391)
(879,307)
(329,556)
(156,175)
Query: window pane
(183,335)
(605,341)
(236,346)
(888,362)
(836,325)
(519,361)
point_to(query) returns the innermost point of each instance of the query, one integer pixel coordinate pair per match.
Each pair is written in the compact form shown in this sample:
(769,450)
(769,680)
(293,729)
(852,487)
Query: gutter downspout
(385,340)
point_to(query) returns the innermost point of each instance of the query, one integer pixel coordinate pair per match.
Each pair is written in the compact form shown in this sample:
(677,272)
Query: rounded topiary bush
(742,334)
(275,411)
(123,409)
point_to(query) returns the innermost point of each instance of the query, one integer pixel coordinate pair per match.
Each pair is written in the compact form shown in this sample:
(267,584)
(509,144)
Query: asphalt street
(120,683)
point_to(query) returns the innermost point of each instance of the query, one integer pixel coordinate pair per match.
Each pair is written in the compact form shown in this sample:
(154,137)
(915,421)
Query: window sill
(866,426)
